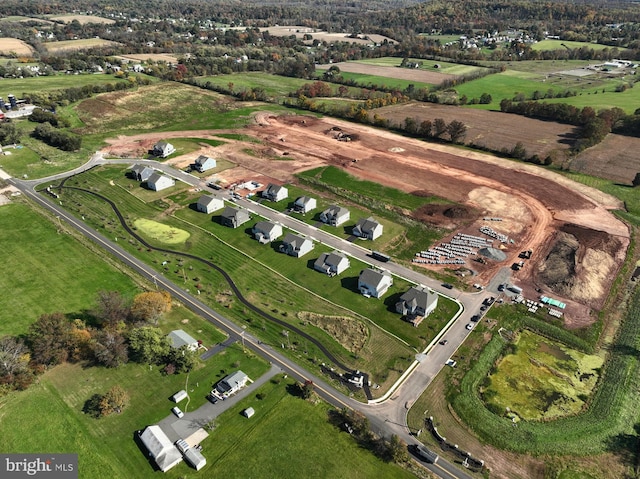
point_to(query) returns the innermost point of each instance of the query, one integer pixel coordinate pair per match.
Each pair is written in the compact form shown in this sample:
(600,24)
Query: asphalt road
(388,415)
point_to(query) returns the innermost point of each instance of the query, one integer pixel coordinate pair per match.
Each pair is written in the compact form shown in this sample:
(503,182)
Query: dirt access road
(533,203)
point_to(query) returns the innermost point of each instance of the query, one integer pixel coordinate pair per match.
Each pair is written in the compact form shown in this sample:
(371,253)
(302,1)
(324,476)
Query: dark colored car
(444,342)
(447,285)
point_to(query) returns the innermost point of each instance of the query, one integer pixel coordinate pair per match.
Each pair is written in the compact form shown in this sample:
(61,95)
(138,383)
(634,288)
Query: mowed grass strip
(47,270)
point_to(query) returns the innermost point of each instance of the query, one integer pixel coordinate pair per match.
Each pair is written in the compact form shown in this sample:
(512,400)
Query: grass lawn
(444,67)
(551,44)
(274,86)
(369,81)
(41,84)
(47,270)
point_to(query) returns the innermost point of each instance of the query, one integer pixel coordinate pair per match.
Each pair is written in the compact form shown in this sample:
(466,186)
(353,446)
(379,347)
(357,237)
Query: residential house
(367,229)
(304,204)
(208,204)
(160,448)
(417,303)
(335,215)
(373,282)
(295,245)
(331,263)
(163,149)
(158,182)
(234,217)
(266,231)
(232,383)
(275,192)
(141,172)
(179,338)
(204,163)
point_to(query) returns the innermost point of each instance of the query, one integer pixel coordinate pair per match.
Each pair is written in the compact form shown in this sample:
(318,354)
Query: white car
(451,362)
(469,326)
(176,410)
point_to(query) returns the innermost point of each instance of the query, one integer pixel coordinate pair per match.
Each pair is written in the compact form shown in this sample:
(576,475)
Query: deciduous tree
(109,348)
(50,338)
(150,306)
(111,309)
(148,345)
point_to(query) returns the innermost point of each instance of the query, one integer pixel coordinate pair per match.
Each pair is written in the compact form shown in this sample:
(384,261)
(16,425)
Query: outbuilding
(248,412)
(179,396)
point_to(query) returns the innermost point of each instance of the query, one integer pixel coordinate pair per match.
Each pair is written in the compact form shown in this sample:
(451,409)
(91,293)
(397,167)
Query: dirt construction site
(577,244)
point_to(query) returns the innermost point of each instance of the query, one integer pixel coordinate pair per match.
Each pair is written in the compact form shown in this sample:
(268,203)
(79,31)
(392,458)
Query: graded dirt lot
(411,74)
(13,45)
(534,205)
(83,19)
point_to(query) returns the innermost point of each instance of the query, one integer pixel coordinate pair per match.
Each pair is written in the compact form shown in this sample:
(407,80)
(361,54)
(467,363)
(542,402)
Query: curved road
(387,416)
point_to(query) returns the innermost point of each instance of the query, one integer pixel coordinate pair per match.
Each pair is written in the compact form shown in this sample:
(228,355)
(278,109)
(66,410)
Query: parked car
(451,362)
(176,410)
(469,326)
(447,285)
(444,342)
(475,318)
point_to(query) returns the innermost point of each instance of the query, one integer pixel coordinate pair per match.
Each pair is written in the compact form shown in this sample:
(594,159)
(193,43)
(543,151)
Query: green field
(161,232)
(40,84)
(47,270)
(369,81)
(273,85)
(543,379)
(444,67)
(551,44)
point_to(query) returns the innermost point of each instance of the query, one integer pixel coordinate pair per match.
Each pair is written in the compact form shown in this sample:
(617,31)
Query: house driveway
(182,428)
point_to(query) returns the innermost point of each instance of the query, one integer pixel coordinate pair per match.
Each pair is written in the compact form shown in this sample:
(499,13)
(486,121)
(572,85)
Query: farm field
(151,57)
(42,84)
(73,274)
(323,36)
(82,19)
(13,45)
(74,45)
(373,72)
(598,161)
(553,44)
(274,86)
(429,65)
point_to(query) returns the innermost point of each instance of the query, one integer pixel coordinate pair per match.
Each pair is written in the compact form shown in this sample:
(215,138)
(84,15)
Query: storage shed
(179,396)
(248,412)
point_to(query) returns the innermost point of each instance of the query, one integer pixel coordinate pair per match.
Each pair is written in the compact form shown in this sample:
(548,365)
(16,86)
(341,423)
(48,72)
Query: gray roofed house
(295,245)
(179,338)
(332,263)
(232,383)
(141,172)
(158,182)
(373,282)
(163,149)
(304,204)
(266,231)
(208,204)
(275,192)
(417,303)
(335,215)
(367,228)
(160,448)
(234,217)
(204,163)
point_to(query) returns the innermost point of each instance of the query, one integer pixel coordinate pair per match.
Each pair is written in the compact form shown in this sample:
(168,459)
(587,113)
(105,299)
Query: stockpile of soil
(493,253)
(443,216)
(559,267)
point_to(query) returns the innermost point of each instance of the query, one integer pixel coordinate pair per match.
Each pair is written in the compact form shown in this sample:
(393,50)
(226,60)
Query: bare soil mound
(444,216)
(559,267)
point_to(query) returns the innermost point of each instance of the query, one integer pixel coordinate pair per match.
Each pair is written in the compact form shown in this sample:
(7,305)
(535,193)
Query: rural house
(304,204)
(275,192)
(295,245)
(373,282)
(335,215)
(160,448)
(417,303)
(208,204)
(179,338)
(158,182)
(234,217)
(367,229)
(266,231)
(141,172)
(163,149)
(204,163)
(232,383)
(331,264)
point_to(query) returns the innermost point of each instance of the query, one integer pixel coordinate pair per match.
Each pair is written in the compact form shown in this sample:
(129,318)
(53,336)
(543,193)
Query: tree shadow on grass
(626,447)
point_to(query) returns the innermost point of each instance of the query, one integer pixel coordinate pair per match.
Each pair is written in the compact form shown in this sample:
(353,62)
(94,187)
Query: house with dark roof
(204,163)
(275,192)
(160,448)
(158,182)
(266,231)
(374,283)
(367,229)
(417,303)
(335,215)
(332,263)
(295,245)
(234,217)
(179,338)
(304,204)
(163,149)
(208,204)
(141,172)
(232,383)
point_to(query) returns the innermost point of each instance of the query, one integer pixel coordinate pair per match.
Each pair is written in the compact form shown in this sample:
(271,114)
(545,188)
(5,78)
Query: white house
(275,192)
(367,229)
(208,204)
(232,383)
(158,182)
(372,282)
(163,149)
(160,448)
(417,303)
(266,231)
(331,264)
(304,204)
(179,338)
(204,163)
(335,215)
(295,245)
